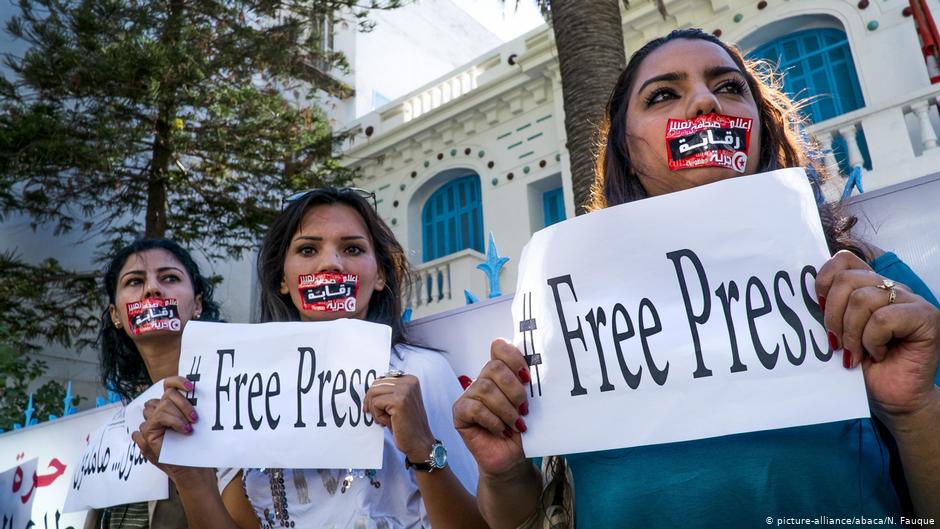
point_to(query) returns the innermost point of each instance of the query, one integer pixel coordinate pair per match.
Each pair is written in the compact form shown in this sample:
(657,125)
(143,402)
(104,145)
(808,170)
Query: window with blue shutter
(452,218)
(553,206)
(817,66)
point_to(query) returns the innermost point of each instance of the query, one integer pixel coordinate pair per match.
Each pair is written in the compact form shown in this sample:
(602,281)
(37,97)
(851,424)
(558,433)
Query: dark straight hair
(385,306)
(122,368)
(616,181)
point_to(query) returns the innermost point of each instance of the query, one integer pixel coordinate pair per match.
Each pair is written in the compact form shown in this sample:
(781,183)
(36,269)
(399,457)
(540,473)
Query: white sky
(502,17)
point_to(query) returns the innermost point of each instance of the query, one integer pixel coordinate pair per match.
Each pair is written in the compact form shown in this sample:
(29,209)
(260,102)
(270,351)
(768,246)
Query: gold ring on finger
(887,284)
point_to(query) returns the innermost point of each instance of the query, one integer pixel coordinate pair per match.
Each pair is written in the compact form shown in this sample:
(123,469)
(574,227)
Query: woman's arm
(448,503)
(918,438)
(93,519)
(238,505)
(197,487)
(488,417)
(509,499)
(204,506)
(894,335)
(397,404)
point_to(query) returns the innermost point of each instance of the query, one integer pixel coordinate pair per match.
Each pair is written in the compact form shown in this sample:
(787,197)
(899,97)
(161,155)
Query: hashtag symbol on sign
(527,327)
(194,377)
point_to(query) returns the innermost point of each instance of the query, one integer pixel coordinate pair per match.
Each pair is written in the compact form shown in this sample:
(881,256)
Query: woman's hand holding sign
(892,332)
(171,411)
(197,485)
(488,416)
(895,335)
(395,402)
(489,413)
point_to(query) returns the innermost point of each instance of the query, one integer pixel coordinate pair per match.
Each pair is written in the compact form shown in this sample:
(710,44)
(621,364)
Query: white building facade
(407,47)
(481,149)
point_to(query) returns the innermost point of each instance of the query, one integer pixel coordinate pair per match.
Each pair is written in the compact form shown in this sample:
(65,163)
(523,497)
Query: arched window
(452,218)
(817,64)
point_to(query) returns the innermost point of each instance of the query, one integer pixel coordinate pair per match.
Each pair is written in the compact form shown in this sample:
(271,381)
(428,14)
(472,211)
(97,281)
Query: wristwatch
(436,460)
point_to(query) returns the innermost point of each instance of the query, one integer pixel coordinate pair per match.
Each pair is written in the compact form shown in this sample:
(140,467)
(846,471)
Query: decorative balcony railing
(487,71)
(440,93)
(439,284)
(421,101)
(901,138)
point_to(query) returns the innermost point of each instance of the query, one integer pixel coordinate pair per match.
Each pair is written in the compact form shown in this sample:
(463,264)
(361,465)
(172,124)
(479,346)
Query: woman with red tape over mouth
(731,121)
(328,255)
(154,288)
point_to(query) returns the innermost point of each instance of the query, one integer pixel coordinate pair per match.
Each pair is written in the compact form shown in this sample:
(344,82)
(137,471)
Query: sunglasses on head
(362,193)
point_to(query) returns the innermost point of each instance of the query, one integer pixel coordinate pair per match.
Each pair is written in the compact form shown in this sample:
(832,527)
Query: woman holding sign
(688,110)
(328,255)
(154,288)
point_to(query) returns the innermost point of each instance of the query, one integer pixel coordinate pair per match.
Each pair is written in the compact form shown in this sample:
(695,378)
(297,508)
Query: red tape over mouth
(328,291)
(153,314)
(709,140)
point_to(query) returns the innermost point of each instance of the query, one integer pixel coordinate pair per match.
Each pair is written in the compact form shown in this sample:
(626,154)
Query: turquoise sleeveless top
(834,470)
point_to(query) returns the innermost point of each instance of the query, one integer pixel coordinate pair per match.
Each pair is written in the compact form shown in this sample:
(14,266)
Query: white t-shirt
(315,498)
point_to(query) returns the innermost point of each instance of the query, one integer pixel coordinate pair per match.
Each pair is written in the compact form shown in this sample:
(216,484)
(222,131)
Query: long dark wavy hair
(122,368)
(616,181)
(385,306)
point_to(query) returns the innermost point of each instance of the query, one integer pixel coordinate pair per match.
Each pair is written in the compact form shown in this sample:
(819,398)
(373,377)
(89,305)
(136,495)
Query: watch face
(438,456)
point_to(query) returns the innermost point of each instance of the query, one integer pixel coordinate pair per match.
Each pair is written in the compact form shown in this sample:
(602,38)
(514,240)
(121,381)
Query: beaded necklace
(279,495)
(281,515)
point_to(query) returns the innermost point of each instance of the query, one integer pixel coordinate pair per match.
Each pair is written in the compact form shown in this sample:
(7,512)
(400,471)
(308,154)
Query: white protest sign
(112,471)
(134,411)
(680,317)
(281,395)
(464,335)
(17,492)
(57,445)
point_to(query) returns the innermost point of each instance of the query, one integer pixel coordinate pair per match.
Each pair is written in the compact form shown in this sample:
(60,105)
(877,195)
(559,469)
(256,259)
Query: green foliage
(187,119)
(17,371)
(46,304)
(40,305)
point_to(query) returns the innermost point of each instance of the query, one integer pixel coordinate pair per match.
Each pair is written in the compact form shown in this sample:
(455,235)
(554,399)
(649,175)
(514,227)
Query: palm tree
(590,44)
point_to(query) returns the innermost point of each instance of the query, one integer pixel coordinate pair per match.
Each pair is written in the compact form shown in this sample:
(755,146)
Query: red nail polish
(465,381)
(189,385)
(822,303)
(507,433)
(520,425)
(846,358)
(188,428)
(524,408)
(524,375)
(833,342)
(194,416)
